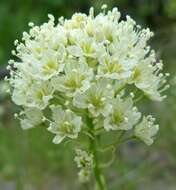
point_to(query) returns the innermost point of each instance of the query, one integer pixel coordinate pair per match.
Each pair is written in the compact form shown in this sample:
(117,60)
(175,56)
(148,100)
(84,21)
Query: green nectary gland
(66,127)
(117,117)
(136,74)
(87,48)
(40,94)
(95,100)
(92,62)
(84,163)
(74,81)
(50,67)
(113,67)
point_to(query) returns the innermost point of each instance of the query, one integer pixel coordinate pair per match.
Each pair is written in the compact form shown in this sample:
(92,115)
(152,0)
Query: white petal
(58,139)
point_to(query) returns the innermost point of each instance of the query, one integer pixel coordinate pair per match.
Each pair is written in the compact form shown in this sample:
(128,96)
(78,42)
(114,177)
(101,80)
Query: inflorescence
(86,68)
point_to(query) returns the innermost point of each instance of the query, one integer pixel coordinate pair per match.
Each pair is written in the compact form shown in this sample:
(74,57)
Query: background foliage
(29,160)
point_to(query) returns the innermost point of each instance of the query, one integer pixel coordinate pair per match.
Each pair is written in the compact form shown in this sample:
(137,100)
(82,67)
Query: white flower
(78,20)
(73,37)
(51,63)
(32,118)
(76,78)
(84,175)
(146,130)
(31,93)
(39,94)
(20,87)
(88,50)
(65,124)
(145,77)
(103,27)
(96,98)
(110,67)
(84,161)
(123,115)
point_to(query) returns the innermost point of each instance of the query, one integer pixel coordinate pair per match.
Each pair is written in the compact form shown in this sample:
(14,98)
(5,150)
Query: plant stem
(100,181)
(97,171)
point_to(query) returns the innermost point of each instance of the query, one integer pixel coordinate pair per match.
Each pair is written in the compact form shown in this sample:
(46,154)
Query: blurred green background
(29,160)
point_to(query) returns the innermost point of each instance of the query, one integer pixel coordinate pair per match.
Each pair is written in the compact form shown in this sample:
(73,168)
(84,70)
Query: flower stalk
(100,180)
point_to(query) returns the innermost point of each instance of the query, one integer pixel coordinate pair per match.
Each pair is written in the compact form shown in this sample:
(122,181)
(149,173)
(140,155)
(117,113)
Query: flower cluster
(86,68)
(84,161)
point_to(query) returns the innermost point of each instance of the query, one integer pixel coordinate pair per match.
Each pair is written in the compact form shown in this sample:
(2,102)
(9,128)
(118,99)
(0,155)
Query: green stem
(100,181)
(97,171)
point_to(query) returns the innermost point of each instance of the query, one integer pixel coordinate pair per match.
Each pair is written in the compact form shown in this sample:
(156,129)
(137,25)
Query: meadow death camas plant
(81,77)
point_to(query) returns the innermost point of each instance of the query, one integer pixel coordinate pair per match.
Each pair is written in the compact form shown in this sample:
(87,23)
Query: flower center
(117,117)
(74,81)
(136,74)
(113,67)
(66,128)
(49,67)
